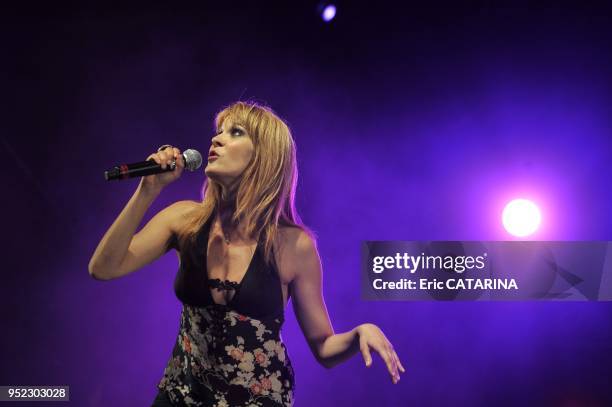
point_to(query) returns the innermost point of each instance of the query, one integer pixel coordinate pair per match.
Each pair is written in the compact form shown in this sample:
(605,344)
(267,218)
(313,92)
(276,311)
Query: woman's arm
(106,260)
(302,259)
(120,252)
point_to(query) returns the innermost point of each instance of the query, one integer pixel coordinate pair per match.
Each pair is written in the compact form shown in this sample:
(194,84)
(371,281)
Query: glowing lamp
(521,217)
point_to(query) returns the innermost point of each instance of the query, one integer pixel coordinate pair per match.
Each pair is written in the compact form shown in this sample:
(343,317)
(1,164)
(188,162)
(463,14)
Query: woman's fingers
(399,363)
(161,159)
(155,158)
(179,158)
(395,365)
(395,359)
(395,373)
(365,351)
(169,154)
(375,339)
(176,154)
(386,356)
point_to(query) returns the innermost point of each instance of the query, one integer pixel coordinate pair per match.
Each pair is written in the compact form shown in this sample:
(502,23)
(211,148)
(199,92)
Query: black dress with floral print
(229,354)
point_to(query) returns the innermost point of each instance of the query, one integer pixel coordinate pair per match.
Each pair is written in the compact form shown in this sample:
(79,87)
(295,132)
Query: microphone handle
(134,170)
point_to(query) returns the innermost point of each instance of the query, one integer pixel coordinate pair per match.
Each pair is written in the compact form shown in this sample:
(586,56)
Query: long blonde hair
(265,197)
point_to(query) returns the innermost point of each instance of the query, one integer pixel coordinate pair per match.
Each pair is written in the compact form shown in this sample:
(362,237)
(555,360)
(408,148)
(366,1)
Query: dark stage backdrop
(411,123)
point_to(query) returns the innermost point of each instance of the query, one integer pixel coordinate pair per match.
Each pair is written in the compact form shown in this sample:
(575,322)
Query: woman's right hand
(157,182)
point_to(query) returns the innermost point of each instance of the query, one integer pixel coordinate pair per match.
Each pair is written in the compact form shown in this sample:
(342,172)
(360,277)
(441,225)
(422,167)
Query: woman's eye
(237,132)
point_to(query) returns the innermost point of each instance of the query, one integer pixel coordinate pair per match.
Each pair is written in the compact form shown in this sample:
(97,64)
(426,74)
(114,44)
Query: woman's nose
(216,142)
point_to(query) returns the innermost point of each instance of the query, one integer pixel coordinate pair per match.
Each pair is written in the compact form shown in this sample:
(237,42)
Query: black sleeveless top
(228,354)
(258,295)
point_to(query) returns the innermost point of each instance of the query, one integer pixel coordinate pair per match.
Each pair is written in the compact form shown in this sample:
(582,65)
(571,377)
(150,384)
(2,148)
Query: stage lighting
(521,217)
(327,11)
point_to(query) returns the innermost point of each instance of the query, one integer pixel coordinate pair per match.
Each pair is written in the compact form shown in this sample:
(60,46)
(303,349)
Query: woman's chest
(241,263)
(228,261)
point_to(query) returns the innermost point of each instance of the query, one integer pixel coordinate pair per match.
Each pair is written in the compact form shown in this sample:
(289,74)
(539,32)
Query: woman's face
(234,149)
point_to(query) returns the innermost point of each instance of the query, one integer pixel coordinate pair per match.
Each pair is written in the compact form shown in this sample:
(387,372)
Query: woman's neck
(225,211)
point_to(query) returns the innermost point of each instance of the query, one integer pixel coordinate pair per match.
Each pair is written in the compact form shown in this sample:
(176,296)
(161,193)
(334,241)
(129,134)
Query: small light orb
(329,12)
(521,217)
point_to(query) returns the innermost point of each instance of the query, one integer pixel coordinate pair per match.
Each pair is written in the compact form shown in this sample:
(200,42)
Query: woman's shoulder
(185,205)
(180,215)
(296,239)
(295,245)
(181,212)
(288,231)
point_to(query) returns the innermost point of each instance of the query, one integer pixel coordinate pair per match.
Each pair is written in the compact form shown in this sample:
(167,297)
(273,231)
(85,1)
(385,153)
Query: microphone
(192,158)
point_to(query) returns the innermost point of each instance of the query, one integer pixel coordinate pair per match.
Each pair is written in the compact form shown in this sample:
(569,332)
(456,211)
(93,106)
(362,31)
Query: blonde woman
(243,253)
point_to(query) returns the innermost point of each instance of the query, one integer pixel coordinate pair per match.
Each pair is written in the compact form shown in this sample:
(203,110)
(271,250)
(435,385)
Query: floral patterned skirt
(223,358)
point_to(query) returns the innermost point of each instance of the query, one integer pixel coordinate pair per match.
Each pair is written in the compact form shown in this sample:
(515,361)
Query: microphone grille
(193,159)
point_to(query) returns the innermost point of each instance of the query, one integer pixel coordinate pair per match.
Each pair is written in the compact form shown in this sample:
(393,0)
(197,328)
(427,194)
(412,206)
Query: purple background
(411,124)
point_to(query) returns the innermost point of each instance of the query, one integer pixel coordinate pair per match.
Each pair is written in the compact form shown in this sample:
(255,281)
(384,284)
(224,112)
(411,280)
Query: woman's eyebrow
(231,124)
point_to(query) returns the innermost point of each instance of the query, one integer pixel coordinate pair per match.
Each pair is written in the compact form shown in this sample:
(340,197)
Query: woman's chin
(212,173)
(209,172)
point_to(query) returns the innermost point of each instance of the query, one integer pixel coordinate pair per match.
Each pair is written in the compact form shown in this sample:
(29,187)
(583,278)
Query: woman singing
(243,253)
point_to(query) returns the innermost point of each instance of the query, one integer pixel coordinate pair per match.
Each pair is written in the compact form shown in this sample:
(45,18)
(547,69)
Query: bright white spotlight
(521,217)
(329,12)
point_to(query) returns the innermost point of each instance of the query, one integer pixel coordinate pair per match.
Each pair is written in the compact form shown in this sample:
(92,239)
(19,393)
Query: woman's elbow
(316,347)
(96,272)
(325,364)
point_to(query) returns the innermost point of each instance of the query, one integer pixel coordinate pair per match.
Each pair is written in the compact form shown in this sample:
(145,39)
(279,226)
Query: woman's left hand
(370,336)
